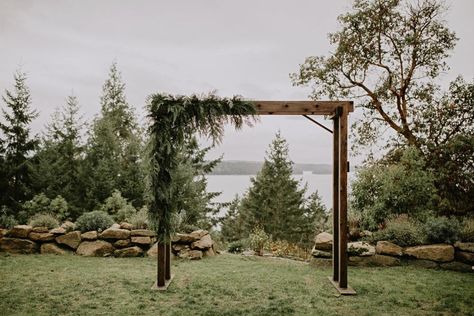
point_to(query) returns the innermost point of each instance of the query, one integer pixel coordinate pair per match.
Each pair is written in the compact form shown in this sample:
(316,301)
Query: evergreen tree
(17,146)
(59,162)
(275,200)
(233,227)
(114,147)
(190,185)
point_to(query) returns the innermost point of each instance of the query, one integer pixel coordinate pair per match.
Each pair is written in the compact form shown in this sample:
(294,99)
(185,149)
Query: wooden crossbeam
(301,107)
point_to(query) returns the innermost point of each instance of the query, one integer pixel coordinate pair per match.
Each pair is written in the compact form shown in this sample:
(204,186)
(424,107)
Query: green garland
(173,119)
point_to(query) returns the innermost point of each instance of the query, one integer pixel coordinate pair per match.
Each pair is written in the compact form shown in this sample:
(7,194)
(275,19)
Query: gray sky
(244,47)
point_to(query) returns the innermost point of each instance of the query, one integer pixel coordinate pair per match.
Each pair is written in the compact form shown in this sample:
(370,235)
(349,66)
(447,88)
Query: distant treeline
(237,167)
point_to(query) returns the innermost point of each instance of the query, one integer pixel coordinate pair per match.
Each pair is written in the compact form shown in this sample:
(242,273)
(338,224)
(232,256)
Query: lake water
(230,185)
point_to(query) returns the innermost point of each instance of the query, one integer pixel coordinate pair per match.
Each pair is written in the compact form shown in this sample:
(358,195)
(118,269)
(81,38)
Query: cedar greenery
(174,119)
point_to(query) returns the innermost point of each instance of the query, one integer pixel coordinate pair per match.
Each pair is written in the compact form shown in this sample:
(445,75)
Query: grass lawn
(223,285)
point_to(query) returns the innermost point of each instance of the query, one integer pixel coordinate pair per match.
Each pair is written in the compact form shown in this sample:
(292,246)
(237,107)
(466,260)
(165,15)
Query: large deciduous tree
(16,146)
(387,54)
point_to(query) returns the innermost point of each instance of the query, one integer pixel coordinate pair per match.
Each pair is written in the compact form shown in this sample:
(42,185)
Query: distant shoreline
(240,167)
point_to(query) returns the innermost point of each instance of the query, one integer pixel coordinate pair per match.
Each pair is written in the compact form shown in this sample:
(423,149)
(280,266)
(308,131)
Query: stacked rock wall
(458,257)
(119,241)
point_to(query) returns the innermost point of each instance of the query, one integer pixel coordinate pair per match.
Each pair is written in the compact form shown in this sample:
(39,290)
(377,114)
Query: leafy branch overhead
(173,120)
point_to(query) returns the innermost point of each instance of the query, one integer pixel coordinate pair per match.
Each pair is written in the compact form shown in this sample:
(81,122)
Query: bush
(284,249)
(96,220)
(59,207)
(382,190)
(237,246)
(125,214)
(38,204)
(139,220)
(44,220)
(402,231)
(6,221)
(442,230)
(467,231)
(258,239)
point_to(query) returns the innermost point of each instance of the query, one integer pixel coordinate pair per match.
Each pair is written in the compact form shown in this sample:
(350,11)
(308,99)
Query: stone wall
(458,257)
(119,241)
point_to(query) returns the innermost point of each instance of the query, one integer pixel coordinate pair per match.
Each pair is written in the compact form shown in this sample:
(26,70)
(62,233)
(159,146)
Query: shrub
(44,220)
(258,239)
(284,249)
(59,207)
(402,231)
(139,220)
(237,246)
(6,221)
(382,190)
(467,231)
(125,213)
(96,220)
(38,204)
(442,230)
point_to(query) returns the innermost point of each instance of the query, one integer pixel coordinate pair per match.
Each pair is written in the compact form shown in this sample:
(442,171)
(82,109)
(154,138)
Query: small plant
(442,230)
(237,246)
(284,249)
(125,213)
(258,239)
(402,231)
(96,220)
(139,220)
(59,207)
(6,221)
(467,231)
(44,220)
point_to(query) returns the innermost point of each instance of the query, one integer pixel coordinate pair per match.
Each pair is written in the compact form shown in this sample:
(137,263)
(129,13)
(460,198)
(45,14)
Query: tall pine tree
(114,147)
(59,162)
(275,200)
(17,146)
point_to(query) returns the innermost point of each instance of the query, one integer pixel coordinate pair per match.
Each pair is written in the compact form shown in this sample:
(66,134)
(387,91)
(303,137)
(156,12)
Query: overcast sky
(244,47)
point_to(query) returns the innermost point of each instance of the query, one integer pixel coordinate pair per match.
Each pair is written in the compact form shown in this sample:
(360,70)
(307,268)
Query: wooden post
(343,200)
(160,280)
(335,199)
(168,261)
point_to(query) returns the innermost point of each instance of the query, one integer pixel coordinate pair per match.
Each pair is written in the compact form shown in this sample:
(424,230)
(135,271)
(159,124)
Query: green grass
(223,285)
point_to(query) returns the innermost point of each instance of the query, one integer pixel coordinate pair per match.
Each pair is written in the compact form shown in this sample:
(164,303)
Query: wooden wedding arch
(338,111)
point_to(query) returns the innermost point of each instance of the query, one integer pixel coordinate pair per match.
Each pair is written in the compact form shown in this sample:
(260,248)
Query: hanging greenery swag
(173,119)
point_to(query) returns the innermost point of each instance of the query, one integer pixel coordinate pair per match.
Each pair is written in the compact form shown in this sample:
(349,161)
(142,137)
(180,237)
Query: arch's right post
(340,202)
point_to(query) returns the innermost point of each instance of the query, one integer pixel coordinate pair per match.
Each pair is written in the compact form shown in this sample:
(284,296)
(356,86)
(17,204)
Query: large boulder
(52,248)
(437,252)
(323,241)
(3,232)
(91,235)
(209,252)
(128,252)
(41,236)
(153,251)
(457,266)
(125,225)
(40,229)
(72,239)
(140,240)
(388,248)
(142,232)
(194,254)
(189,238)
(320,254)
(15,245)
(20,231)
(375,260)
(122,243)
(204,243)
(68,226)
(360,248)
(465,246)
(115,233)
(115,226)
(464,256)
(58,231)
(98,248)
